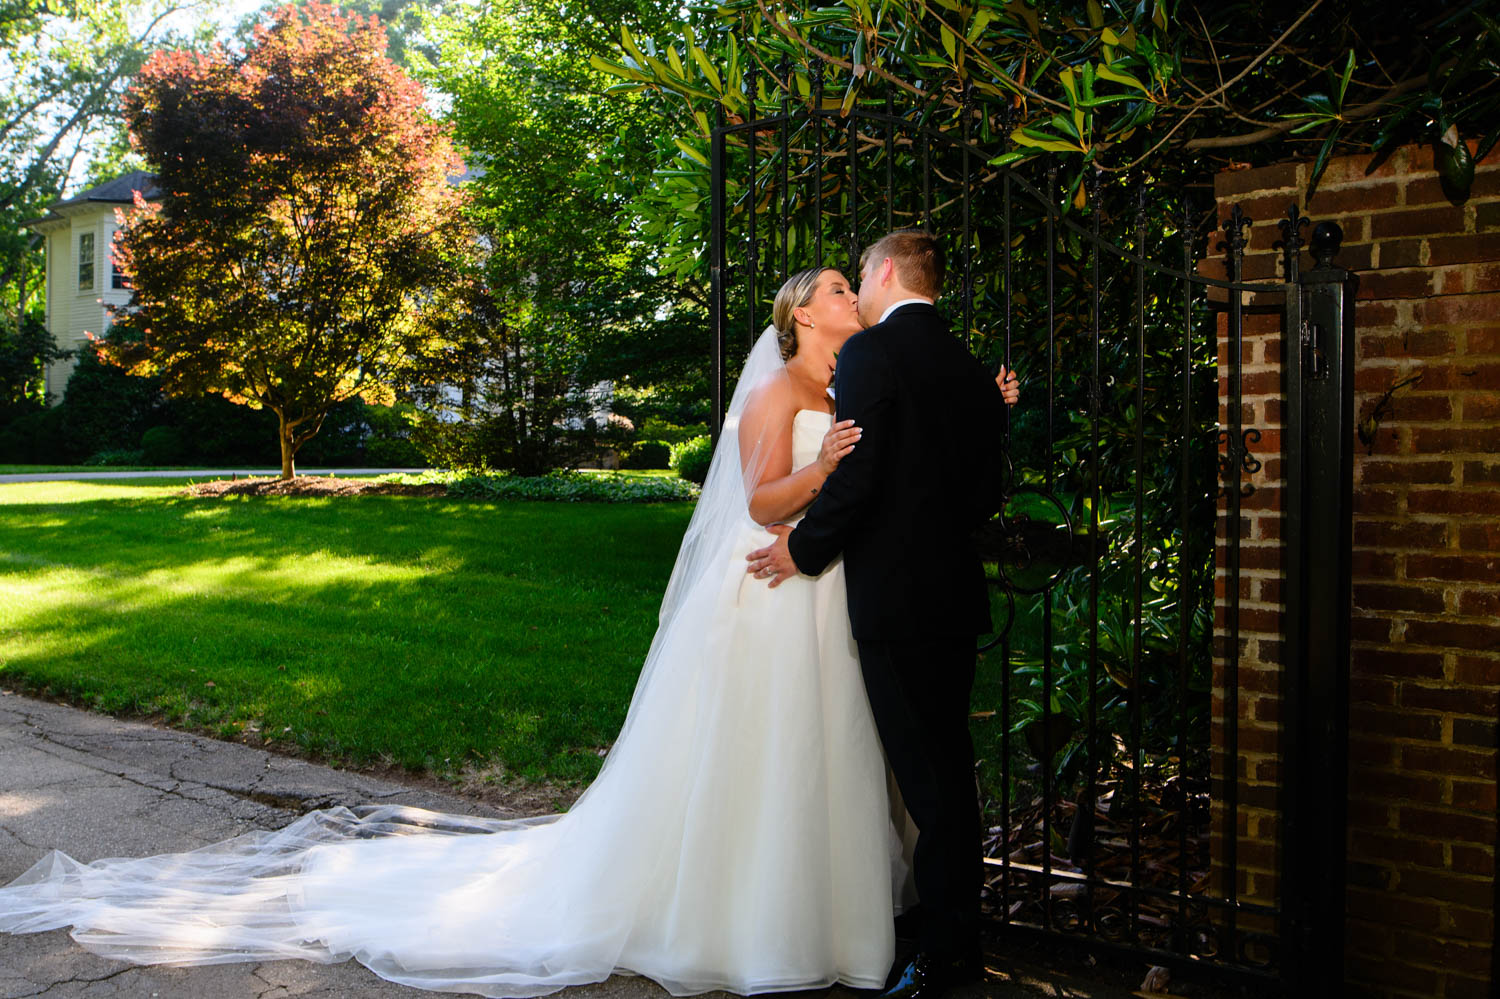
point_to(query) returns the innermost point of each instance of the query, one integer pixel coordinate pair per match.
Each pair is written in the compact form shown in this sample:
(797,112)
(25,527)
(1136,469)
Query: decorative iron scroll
(1029,548)
(1236,454)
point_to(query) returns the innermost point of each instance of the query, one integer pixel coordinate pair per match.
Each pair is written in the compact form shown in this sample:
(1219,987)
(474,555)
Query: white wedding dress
(738,836)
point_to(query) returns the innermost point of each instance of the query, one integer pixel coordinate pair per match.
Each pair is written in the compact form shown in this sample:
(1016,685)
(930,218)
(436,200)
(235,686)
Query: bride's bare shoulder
(768,414)
(772,398)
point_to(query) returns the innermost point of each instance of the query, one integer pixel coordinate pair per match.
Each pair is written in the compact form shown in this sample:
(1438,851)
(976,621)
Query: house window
(117,278)
(86,262)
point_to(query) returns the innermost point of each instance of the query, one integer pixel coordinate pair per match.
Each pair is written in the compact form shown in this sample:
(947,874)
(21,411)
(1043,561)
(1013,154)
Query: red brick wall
(1426,621)
(1257,765)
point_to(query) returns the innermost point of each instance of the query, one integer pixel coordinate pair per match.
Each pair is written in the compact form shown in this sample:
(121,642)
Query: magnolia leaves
(1077,87)
(1132,72)
(1455,164)
(1325,110)
(647,64)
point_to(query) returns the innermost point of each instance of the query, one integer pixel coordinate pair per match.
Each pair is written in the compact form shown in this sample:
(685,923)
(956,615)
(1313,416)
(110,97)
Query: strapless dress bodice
(809,426)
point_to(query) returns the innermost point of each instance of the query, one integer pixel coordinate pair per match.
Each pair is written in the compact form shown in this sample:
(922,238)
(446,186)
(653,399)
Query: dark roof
(121,190)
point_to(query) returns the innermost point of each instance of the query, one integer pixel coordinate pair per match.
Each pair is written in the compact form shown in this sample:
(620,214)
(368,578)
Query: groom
(901,508)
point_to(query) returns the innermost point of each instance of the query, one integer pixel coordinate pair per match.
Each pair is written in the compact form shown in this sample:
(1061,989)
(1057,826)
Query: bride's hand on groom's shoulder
(1010,386)
(837,444)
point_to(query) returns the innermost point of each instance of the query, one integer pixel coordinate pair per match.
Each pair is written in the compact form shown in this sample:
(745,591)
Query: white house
(82,279)
(81,276)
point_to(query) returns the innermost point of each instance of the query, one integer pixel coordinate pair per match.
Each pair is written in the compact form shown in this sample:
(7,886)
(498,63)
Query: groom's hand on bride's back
(773,562)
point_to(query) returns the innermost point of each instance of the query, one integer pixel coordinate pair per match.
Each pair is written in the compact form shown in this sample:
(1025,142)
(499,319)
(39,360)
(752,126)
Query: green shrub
(116,456)
(565,487)
(655,429)
(104,409)
(163,446)
(690,459)
(390,443)
(34,438)
(647,454)
(393,452)
(216,431)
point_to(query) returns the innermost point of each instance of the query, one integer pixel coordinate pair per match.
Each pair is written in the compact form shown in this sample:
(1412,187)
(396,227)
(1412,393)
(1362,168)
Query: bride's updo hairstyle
(796,293)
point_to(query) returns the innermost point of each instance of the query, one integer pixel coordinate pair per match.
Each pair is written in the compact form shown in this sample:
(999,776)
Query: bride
(738,837)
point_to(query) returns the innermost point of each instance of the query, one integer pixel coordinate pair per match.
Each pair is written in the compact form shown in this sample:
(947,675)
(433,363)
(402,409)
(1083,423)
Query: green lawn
(428,632)
(41,469)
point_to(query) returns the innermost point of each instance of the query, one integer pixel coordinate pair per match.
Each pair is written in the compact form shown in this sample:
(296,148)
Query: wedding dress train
(738,836)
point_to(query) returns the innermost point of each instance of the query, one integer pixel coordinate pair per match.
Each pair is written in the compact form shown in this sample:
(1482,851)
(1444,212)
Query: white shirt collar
(905,301)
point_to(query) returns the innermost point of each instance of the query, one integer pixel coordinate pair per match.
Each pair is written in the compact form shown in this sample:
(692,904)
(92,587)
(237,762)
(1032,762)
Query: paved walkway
(94,786)
(188,473)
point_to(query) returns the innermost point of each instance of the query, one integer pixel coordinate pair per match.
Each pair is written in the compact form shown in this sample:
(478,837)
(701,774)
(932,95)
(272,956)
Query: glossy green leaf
(615,69)
(707,68)
(1042,140)
(1006,159)
(1114,75)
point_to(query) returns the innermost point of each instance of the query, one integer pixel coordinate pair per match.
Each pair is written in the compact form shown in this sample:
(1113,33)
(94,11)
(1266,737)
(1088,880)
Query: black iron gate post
(718,308)
(1319,359)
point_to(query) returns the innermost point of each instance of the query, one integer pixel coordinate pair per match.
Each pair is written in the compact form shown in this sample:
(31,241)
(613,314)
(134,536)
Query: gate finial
(1235,240)
(1327,237)
(1291,241)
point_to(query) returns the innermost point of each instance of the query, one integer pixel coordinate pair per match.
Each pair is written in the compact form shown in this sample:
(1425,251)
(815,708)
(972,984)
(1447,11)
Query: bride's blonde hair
(794,294)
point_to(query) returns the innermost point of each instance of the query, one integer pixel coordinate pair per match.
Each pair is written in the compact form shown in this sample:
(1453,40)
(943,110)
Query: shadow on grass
(429,632)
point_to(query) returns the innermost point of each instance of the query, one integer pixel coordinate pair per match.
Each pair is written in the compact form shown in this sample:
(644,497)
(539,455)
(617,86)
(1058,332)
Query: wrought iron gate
(1109,709)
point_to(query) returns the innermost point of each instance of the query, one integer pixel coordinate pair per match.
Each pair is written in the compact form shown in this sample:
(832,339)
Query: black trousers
(919,692)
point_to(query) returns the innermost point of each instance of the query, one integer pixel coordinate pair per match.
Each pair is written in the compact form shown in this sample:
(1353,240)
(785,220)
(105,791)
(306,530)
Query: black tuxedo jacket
(929,470)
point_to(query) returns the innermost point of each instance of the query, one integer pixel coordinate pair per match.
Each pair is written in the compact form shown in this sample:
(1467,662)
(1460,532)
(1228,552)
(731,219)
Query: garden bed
(314,485)
(574,487)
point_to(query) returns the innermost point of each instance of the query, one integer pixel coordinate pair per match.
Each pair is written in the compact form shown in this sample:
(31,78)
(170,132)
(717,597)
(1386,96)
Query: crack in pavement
(21,839)
(72,782)
(270,986)
(174,790)
(85,980)
(12,982)
(87,744)
(180,787)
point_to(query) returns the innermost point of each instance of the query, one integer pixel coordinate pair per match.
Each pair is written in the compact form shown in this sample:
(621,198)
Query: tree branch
(1267,53)
(1281,128)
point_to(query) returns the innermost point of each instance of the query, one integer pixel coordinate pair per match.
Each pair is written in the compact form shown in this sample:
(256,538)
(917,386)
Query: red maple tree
(307,229)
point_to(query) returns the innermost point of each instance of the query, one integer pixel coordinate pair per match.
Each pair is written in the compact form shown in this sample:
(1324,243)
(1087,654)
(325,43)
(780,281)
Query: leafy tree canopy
(1158,88)
(306,226)
(64,65)
(568,292)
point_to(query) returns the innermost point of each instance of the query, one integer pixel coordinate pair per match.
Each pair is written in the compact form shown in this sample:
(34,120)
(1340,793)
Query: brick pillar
(1426,586)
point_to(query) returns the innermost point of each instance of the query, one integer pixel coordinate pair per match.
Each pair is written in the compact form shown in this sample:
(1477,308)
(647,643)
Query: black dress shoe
(928,976)
(918,980)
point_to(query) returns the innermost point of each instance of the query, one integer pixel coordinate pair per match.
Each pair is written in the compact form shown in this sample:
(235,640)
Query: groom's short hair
(918,257)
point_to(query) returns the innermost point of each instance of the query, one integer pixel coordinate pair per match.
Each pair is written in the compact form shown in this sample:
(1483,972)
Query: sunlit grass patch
(431,632)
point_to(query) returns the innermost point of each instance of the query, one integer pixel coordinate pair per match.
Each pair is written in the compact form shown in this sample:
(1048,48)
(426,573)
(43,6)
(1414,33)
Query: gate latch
(1315,363)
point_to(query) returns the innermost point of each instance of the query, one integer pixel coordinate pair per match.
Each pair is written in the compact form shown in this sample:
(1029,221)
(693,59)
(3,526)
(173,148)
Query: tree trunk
(288,448)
